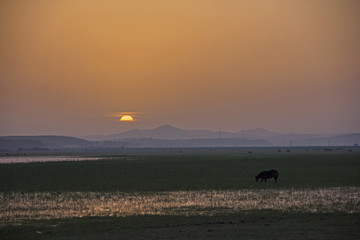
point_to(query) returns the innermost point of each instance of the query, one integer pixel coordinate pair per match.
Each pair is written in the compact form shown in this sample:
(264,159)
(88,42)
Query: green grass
(183,172)
(247,225)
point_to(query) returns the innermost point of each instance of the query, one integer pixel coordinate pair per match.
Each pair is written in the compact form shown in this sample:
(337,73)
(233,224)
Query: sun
(126,118)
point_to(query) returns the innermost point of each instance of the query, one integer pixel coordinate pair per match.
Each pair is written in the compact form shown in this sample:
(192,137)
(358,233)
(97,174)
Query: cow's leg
(265,180)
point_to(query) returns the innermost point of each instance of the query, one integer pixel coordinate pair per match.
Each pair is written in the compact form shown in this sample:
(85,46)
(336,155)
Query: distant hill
(257,133)
(164,132)
(188,143)
(169,136)
(316,139)
(344,140)
(170,132)
(45,141)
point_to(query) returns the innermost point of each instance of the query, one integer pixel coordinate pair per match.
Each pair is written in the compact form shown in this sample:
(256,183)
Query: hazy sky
(66,66)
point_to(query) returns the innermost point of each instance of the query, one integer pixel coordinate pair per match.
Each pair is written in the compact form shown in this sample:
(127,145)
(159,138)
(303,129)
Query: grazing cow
(267,174)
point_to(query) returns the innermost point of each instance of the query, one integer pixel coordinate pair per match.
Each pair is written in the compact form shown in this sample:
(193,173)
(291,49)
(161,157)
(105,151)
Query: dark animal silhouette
(267,175)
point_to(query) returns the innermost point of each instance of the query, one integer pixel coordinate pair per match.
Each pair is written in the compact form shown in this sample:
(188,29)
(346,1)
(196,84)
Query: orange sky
(284,65)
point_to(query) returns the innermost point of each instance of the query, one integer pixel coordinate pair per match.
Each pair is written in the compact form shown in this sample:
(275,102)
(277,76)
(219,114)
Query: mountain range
(168,132)
(171,133)
(41,142)
(169,136)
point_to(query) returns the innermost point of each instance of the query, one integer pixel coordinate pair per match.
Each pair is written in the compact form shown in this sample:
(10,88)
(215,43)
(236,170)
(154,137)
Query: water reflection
(17,207)
(28,159)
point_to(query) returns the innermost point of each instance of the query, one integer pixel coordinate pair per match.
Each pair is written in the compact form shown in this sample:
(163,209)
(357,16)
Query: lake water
(28,159)
(19,206)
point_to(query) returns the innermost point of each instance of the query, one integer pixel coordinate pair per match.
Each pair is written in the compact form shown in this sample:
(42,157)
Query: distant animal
(267,175)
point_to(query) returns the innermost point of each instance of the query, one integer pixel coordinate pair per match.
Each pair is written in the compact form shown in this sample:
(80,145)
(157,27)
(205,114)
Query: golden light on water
(17,207)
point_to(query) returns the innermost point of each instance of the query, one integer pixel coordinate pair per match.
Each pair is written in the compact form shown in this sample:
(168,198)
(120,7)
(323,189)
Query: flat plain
(184,195)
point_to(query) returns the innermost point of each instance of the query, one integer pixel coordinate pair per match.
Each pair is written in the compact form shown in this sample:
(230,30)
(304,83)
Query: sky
(72,67)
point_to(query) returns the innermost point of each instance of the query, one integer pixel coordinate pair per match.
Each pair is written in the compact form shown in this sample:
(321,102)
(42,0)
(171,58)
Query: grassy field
(150,173)
(249,225)
(183,196)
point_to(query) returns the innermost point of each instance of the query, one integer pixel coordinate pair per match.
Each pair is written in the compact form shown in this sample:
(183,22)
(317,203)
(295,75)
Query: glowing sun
(126,118)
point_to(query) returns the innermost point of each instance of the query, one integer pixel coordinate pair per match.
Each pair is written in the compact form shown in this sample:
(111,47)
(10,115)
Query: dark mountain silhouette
(168,132)
(188,143)
(45,141)
(164,132)
(169,136)
(257,133)
(338,140)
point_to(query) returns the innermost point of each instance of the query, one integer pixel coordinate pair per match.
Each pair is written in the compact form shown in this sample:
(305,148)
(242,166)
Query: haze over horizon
(70,67)
(170,128)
